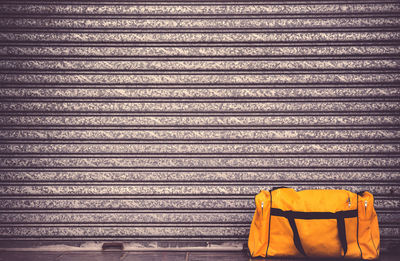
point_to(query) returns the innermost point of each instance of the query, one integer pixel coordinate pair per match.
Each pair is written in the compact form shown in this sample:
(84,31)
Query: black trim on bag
(360,193)
(314,215)
(296,237)
(275,188)
(342,233)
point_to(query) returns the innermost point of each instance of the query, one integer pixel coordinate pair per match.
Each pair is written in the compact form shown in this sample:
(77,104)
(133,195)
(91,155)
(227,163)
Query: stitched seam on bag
(373,243)
(372,239)
(357,231)
(269,224)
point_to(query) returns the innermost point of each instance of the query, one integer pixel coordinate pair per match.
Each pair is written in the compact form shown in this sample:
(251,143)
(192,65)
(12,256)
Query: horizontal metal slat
(267,176)
(205,37)
(201,135)
(131,218)
(193,23)
(314,107)
(144,232)
(174,189)
(205,155)
(201,9)
(120,204)
(164,94)
(54,149)
(86,44)
(182,66)
(195,128)
(255,51)
(200,120)
(201,78)
(179,162)
(174,73)
(204,30)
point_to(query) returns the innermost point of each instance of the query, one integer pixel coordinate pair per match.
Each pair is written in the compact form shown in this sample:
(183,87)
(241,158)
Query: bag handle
(296,237)
(341,232)
(339,216)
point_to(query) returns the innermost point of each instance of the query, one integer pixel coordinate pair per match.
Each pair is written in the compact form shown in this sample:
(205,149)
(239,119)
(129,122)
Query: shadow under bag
(314,223)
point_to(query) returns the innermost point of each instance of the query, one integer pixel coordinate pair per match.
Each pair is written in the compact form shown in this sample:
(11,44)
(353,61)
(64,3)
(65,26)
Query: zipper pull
(365,205)
(262,208)
(348,200)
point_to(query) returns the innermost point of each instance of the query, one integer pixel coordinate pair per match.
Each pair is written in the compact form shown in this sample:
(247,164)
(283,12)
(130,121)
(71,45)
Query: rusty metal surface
(160,121)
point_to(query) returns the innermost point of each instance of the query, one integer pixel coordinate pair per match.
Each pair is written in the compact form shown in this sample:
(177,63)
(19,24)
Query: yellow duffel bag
(314,223)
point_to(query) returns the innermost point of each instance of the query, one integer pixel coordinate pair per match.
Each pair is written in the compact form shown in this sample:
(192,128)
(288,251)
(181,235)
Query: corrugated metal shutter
(162,120)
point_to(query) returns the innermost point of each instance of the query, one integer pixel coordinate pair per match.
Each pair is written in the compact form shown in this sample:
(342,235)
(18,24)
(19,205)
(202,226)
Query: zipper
(365,205)
(262,209)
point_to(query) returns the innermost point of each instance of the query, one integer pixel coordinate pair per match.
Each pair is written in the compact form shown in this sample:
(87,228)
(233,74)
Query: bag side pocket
(259,229)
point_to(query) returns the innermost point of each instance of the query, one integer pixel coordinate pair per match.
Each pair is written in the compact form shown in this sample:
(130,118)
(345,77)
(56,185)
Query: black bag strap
(342,233)
(339,216)
(296,237)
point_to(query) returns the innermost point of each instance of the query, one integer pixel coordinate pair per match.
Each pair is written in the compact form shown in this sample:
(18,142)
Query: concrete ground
(138,256)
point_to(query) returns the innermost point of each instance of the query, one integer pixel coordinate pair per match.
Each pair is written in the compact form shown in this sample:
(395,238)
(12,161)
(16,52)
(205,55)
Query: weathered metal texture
(161,121)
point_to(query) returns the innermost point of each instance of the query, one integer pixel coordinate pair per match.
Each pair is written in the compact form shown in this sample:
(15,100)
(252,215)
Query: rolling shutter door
(160,121)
